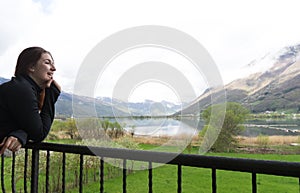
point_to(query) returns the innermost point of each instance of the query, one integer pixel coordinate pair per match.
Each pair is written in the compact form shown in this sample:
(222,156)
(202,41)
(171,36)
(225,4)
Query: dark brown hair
(28,58)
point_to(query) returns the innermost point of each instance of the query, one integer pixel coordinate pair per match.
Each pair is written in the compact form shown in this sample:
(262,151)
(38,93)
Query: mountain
(2,80)
(145,108)
(105,106)
(275,87)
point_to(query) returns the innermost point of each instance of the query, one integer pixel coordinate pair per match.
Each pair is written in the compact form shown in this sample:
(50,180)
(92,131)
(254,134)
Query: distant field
(272,140)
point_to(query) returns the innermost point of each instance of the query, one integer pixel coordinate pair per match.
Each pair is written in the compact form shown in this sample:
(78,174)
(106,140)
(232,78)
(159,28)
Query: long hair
(28,58)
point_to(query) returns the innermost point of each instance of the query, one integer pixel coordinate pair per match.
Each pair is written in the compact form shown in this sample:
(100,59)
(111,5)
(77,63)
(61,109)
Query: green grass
(196,180)
(199,179)
(165,177)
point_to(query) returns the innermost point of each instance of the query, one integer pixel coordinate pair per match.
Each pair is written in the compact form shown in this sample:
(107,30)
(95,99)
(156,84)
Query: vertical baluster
(13,165)
(179,174)
(254,186)
(214,180)
(2,173)
(299,184)
(124,175)
(47,170)
(80,173)
(64,172)
(101,175)
(150,177)
(25,169)
(35,171)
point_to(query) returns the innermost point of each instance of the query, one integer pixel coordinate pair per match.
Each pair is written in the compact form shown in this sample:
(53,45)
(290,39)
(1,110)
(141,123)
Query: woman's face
(42,73)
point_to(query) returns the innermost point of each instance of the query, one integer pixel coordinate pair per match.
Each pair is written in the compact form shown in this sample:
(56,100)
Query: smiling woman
(27,100)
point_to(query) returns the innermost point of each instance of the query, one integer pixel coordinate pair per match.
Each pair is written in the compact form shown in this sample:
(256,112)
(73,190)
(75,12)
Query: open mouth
(50,74)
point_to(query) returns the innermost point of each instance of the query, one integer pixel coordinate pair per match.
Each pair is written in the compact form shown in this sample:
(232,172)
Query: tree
(105,124)
(235,115)
(71,129)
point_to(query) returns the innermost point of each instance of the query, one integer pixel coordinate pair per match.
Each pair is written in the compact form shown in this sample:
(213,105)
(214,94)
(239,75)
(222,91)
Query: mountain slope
(2,80)
(107,107)
(274,89)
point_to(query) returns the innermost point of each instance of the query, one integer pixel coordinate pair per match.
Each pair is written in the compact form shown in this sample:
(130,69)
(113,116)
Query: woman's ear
(31,68)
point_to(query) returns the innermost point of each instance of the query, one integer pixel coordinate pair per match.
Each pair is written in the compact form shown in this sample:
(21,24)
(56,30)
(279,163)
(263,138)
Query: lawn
(199,179)
(165,177)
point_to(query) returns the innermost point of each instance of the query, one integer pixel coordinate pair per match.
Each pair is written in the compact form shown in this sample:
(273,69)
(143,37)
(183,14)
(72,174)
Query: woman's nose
(53,68)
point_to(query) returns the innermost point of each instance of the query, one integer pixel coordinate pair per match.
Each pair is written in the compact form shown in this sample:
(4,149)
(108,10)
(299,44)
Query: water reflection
(272,127)
(191,126)
(160,127)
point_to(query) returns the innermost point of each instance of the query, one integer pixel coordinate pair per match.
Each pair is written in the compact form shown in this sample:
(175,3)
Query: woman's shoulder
(17,85)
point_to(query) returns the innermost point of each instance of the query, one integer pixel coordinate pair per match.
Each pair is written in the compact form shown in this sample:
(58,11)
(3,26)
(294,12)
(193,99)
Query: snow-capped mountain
(107,107)
(145,108)
(273,84)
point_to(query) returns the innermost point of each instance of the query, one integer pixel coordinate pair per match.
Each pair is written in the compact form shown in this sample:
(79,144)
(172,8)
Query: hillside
(2,80)
(107,107)
(275,89)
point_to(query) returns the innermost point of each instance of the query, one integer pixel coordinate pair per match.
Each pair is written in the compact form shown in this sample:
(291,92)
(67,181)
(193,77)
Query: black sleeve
(27,116)
(21,135)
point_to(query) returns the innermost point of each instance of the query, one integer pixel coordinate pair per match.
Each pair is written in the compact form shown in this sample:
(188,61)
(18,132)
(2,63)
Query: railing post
(124,175)
(63,173)
(35,171)
(47,171)
(25,170)
(101,175)
(81,173)
(2,174)
(13,165)
(150,176)
(214,180)
(254,184)
(179,180)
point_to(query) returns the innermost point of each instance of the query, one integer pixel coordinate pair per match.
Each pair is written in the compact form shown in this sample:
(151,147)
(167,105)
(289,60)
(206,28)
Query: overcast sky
(233,32)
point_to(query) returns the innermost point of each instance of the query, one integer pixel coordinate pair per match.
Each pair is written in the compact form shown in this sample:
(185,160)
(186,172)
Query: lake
(172,127)
(272,127)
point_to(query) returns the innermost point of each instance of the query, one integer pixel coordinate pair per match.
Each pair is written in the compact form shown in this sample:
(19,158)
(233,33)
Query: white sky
(233,32)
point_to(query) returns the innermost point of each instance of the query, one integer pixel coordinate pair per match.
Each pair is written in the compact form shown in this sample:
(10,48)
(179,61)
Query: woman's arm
(25,111)
(48,111)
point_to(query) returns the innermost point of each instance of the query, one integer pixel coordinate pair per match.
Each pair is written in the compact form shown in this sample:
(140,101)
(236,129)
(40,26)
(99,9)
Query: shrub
(235,115)
(263,140)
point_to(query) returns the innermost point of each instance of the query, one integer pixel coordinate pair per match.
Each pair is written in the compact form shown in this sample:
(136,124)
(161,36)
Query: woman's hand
(42,94)
(56,84)
(11,143)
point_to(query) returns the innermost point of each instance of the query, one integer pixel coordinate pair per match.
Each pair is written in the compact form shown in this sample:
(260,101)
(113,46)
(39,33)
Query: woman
(27,100)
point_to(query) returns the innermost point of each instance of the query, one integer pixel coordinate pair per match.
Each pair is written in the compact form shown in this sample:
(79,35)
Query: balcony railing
(32,162)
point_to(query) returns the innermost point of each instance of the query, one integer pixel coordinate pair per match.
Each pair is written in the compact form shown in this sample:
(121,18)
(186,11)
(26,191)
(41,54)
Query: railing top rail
(291,169)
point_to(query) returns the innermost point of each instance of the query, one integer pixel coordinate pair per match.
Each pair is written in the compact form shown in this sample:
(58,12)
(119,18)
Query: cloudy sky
(233,32)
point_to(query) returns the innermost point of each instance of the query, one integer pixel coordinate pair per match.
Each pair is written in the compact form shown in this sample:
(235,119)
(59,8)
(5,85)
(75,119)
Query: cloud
(18,21)
(234,32)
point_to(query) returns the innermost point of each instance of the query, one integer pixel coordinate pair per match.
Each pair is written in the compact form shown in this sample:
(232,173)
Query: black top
(19,112)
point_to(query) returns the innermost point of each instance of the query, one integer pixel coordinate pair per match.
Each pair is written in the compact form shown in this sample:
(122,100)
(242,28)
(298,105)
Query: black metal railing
(254,167)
